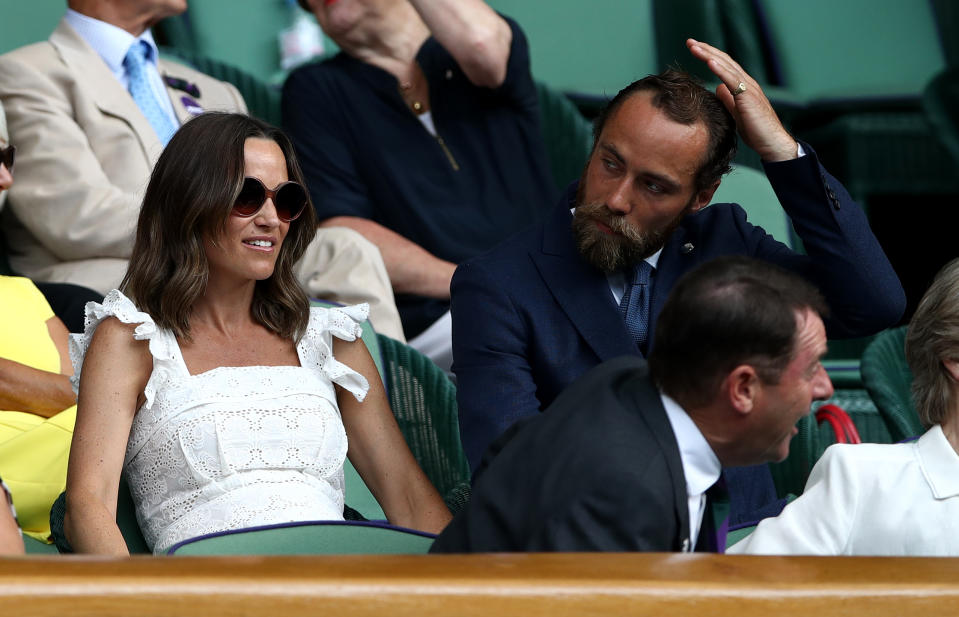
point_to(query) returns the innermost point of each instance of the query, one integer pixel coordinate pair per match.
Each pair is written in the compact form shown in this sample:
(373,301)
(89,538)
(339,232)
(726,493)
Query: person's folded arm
(412,269)
(24,388)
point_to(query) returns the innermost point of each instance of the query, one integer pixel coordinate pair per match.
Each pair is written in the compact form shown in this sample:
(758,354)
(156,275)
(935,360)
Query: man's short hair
(933,336)
(728,312)
(684,100)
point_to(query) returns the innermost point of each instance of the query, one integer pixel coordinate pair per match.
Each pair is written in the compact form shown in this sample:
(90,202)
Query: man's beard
(622,249)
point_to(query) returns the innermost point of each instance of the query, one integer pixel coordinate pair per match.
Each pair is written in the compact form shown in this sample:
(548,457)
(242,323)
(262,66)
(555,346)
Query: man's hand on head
(756,120)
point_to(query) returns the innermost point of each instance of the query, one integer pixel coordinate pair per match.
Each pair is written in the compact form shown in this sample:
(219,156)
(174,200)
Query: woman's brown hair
(188,200)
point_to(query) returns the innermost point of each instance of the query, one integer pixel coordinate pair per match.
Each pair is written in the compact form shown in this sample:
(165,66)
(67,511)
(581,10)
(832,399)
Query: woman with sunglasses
(224,399)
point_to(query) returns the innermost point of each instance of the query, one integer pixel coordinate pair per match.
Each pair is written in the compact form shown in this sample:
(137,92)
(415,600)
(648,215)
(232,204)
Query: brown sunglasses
(289,199)
(7,156)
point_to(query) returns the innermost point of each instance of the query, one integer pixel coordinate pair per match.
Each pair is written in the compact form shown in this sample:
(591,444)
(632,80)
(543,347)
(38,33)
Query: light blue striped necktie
(135,62)
(635,304)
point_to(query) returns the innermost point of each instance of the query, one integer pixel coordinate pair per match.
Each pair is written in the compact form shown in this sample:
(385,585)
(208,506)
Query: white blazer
(871,499)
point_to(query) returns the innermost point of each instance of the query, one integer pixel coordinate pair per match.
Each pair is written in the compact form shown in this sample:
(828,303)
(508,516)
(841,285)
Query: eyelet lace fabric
(235,446)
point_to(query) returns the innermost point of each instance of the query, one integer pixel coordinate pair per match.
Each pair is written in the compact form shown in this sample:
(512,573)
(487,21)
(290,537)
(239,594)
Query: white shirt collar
(617,280)
(938,461)
(700,464)
(109,41)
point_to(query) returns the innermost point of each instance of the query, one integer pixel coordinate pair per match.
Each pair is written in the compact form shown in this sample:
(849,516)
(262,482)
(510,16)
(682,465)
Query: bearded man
(540,310)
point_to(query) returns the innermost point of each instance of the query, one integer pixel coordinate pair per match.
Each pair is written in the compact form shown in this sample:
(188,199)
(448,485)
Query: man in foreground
(630,457)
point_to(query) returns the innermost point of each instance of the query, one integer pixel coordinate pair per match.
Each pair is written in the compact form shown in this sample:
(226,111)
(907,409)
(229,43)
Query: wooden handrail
(481,585)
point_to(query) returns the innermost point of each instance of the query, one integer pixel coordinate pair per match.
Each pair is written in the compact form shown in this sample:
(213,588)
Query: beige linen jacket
(84,156)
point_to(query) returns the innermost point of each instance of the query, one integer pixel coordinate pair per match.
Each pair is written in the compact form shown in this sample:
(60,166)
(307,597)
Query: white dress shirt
(701,467)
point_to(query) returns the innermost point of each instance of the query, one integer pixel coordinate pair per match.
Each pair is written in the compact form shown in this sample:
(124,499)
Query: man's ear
(703,197)
(742,388)
(952,365)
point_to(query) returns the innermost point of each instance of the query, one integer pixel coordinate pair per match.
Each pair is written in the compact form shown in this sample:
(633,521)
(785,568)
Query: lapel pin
(181,84)
(191,106)
(688,248)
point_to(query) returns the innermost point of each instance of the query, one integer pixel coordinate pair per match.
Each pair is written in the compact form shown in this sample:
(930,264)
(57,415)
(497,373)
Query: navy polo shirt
(484,176)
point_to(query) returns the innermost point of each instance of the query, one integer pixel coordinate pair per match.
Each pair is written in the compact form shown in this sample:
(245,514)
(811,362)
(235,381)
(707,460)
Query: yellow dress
(33,449)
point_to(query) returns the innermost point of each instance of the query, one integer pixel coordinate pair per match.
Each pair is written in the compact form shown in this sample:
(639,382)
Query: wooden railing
(481,585)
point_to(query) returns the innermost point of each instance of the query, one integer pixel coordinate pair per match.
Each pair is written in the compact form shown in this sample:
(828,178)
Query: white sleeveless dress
(234,447)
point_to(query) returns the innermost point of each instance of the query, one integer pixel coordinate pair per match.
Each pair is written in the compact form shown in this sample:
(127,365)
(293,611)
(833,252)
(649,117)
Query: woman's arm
(24,388)
(379,452)
(115,371)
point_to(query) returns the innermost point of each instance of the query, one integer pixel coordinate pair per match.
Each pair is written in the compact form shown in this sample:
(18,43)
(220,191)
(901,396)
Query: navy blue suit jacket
(530,316)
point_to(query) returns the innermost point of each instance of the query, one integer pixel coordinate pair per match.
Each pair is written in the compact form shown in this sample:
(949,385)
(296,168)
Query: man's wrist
(786,151)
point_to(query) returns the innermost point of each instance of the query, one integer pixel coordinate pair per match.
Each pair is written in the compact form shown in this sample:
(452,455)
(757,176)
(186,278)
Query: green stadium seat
(750,189)
(310,538)
(28,22)
(587,48)
(860,68)
(887,378)
(424,403)
(568,135)
(940,101)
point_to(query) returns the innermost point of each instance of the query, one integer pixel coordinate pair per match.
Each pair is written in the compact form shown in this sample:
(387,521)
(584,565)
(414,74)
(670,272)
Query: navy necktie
(635,304)
(135,62)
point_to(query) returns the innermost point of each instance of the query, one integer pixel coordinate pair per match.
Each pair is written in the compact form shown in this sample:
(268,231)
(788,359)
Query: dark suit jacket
(530,316)
(600,471)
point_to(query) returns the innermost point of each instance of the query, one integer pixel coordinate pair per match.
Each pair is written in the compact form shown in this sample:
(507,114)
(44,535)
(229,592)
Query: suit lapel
(580,290)
(680,255)
(654,415)
(102,86)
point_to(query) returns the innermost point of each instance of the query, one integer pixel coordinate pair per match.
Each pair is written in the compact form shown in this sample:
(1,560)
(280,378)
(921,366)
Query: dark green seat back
(568,135)
(424,403)
(887,378)
(828,49)
(23,23)
(592,47)
(940,101)
(750,189)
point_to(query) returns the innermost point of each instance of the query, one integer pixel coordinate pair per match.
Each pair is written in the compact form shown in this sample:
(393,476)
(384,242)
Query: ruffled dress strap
(162,344)
(316,346)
